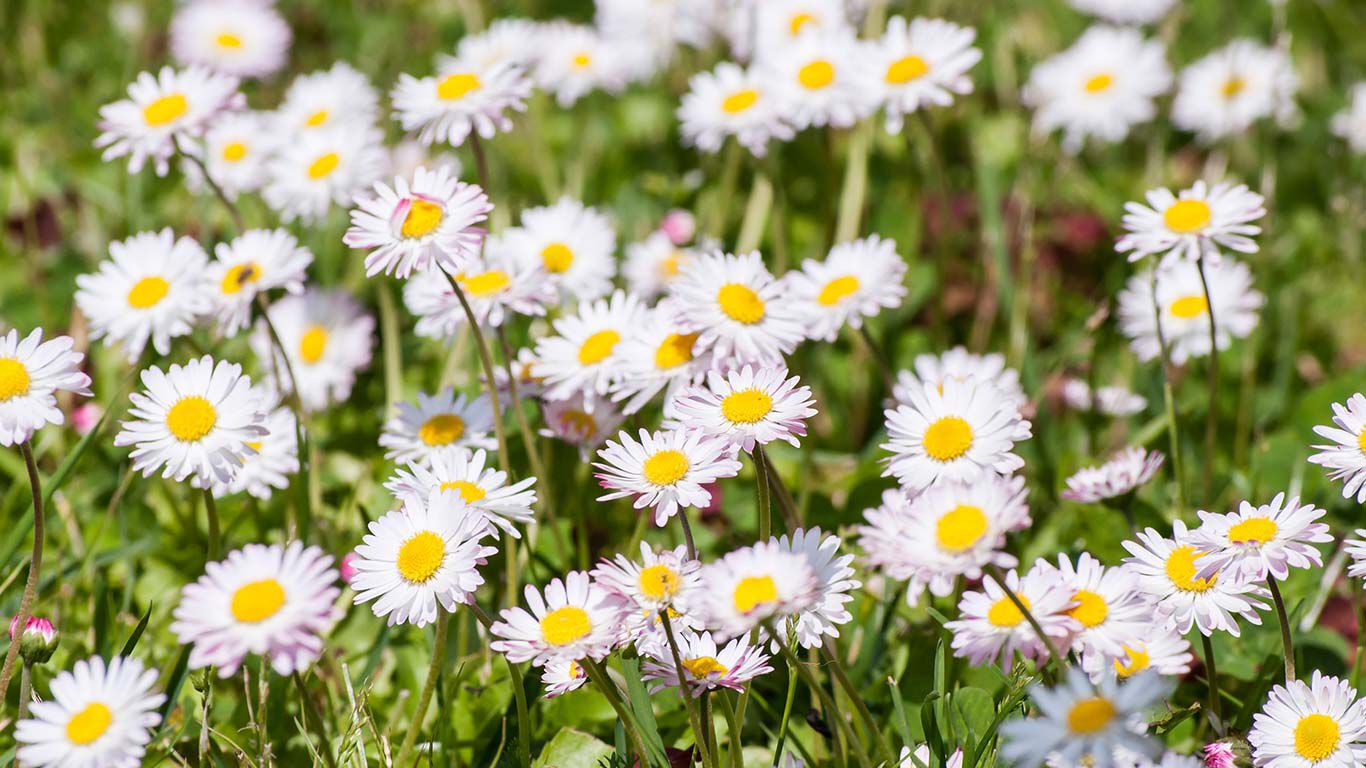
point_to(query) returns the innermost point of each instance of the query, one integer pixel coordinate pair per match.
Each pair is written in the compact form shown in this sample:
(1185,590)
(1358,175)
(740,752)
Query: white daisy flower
(235,149)
(496,286)
(1185,310)
(276,457)
(819,79)
(582,357)
(921,63)
(422,559)
(963,431)
(706,664)
(1105,602)
(1122,474)
(322,168)
(1195,222)
(653,264)
(276,601)
(326,99)
(464,97)
(834,581)
(153,287)
(585,421)
(1356,549)
(777,24)
(98,715)
(328,339)
(194,420)
(573,59)
(747,407)
(1345,459)
(991,628)
(960,365)
(1322,723)
(561,676)
(663,581)
(1227,91)
(743,315)
(504,41)
(1256,543)
(483,488)
(665,471)
(658,354)
(253,262)
(434,220)
(922,753)
(574,619)
(1100,87)
(32,372)
(732,102)
(1162,650)
(438,421)
(858,279)
(1125,11)
(1350,123)
(1110,401)
(749,586)
(243,39)
(1167,570)
(572,242)
(162,113)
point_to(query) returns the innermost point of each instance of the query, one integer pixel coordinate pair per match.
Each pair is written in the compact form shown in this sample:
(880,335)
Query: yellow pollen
(906,69)
(675,350)
(816,75)
(239,275)
(456,86)
(1090,715)
(423,218)
(739,101)
(317,118)
(1181,570)
(323,166)
(1361,441)
(468,491)
(487,283)
(165,109)
(666,467)
(563,626)
(740,303)
(798,21)
(1254,529)
(838,290)
(89,724)
(658,582)
(1100,83)
(960,528)
(191,419)
(254,445)
(147,292)
(1187,307)
(577,422)
(442,429)
(257,601)
(1138,661)
(421,556)
(14,379)
(1316,737)
(754,591)
(705,666)
(1090,610)
(234,151)
(746,406)
(1005,614)
(670,265)
(1233,86)
(581,60)
(557,258)
(312,344)
(598,347)
(947,439)
(229,40)
(1187,216)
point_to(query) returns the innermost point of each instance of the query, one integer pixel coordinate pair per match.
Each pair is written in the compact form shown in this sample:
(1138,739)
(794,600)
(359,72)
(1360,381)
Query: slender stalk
(884,369)
(716,219)
(832,711)
(600,678)
(995,572)
(684,689)
(842,677)
(687,532)
(1359,593)
(855,182)
(765,500)
(316,713)
(529,443)
(205,748)
(35,566)
(1287,647)
(1212,410)
(709,729)
(787,713)
(213,185)
(786,505)
(25,689)
(1212,675)
(756,214)
(518,693)
(486,360)
(733,724)
(215,548)
(481,164)
(433,672)
(1178,469)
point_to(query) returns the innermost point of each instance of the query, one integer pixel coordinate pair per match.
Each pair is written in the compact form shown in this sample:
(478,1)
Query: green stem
(884,369)
(315,711)
(518,693)
(603,681)
(855,182)
(716,224)
(425,698)
(486,360)
(733,724)
(684,689)
(215,548)
(481,164)
(213,185)
(205,750)
(995,572)
(832,710)
(687,531)
(765,500)
(1286,646)
(841,676)
(778,489)
(35,566)
(1212,675)
(1359,591)
(787,713)
(1178,469)
(529,445)
(25,689)
(1212,412)
(756,214)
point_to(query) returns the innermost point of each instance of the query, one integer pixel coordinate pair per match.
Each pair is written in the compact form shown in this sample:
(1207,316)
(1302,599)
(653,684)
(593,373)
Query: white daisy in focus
(326,99)
(496,285)
(1350,123)
(561,676)
(743,314)
(276,457)
(573,59)
(97,714)
(573,619)
(436,422)
(412,226)
(921,63)
(653,264)
(1319,723)
(153,287)
(819,80)
(1109,401)
(328,339)
(254,262)
(991,628)
(483,488)
(960,365)
(235,150)
(1125,11)
(834,582)
(658,355)
(163,113)
(462,98)
(1195,222)
(663,581)
(1084,724)
(1162,650)
(1225,92)
(322,168)
(1168,571)
(665,471)
(1356,550)
(1122,474)
(32,372)
(242,39)
(732,102)
(1345,459)
(1105,602)
(1260,542)
(961,432)
(572,242)
(752,585)
(582,357)
(706,665)
(856,280)
(749,407)
(585,421)
(1185,309)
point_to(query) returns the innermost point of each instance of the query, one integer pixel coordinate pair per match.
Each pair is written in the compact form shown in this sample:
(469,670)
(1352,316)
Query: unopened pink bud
(679,226)
(85,417)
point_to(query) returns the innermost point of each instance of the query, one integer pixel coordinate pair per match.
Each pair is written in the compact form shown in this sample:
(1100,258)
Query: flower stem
(25,688)
(213,185)
(518,693)
(756,214)
(481,164)
(999,578)
(603,681)
(215,548)
(832,711)
(35,566)
(1212,413)
(765,498)
(842,677)
(733,724)
(433,672)
(1288,648)
(687,532)
(486,360)
(684,689)
(787,714)
(855,182)
(316,713)
(1178,468)
(777,489)
(884,369)
(1212,675)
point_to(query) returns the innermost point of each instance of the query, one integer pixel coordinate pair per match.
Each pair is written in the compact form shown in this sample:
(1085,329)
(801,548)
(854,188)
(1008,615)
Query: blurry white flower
(163,113)
(243,39)
(1185,310)
(921,63)
(1227,91)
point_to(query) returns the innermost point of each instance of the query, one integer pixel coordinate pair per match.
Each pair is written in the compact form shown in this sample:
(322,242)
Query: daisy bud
(348,566)
(679,225)
(1228,753)
(85,417)
(37,641)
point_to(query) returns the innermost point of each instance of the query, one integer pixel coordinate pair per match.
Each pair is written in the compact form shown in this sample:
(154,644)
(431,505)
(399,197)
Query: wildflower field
(730,383)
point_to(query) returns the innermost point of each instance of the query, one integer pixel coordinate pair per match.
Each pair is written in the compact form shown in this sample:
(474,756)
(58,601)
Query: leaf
(137,632)
(572,748)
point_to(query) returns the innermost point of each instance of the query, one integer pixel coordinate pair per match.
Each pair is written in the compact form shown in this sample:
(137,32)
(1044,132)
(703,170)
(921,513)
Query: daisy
(1356,549)
(706,665)
(1100,87)
(1105,602)
(991,627)
(432,221)
(1125,11)
(573,59)
(1085,724)
(276,456)
(817,80)
(666,581)
(732,102)
(574,619)
(1167,570)
(1162,650)
(523,375)
(754,584)
(1346,457)
(321,168)
(658,355)
(496,286)
(1185,309)
(421,559)
(747,407)
(741,313)
(571,242)
(504,41)
(665,471)
(585,421)
(193,420)
(483,488)
(921,63)
(777,24)
(327,338)
(922,753)
(32,372)
(1122,474)
(235,38)
(961,365)
(654,263)
(582,357)
(1322,723)
(1193,223)
(1257,543)
(276,601)
(326,99)
(438,421)
(858,279)
(254,262)
(1350,123)
(1110,401)
(962,432)
(98,715)
(834,581)
(561,676)
(162,112)
(153,286)
(235,150)
(464,97)
(1227,91)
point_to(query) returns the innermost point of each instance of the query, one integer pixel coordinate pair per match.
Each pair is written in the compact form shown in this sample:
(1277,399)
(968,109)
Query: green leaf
(137,632)
(571,748)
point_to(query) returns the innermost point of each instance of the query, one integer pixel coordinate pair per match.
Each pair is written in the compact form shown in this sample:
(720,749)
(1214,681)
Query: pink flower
(35,624)
(348,566)
(85,417)
(679,226)
(37,640)
(1219,755)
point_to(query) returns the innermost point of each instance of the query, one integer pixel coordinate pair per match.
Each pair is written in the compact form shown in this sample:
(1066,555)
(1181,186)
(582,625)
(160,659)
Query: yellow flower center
(675,350)
(1005,614)
(147,292)
(165,109)
(581,60)
(798,21)
(14,378)
(229,40)
(906,69)
(754,591)
(1100,83)
(704,666)
(442,429)
(597,347)
(257,601)
(255,445)
(669,266)
(421,556)
(1316,737)
(239,275)
(1181,570)
(838,290)
(557,258)
(739,101)
(456,86)
(746,406)
(947,439)
(563,626)
(323,166)
(666,467)
(1090,610)
(89,724)
(658,582)
(740,303)
(1138,661)
(1361,441)
(1090,715)
(191,419)
(486,284)
(816,75)
(423,218)
(1187,307)
(1186,216)
(960,528)
(578,422)
(312,344)
(1254,529)
(1233,86)
(317,118)
(234,151)
(468,491)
